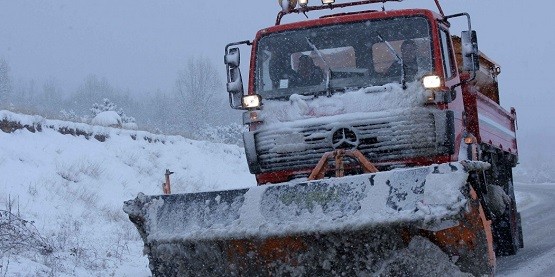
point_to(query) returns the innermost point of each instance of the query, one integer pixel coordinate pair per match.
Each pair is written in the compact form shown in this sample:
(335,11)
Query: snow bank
(10,122)
(107,118)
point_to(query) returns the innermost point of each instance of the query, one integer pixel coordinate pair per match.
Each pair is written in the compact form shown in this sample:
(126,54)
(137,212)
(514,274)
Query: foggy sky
(141,45)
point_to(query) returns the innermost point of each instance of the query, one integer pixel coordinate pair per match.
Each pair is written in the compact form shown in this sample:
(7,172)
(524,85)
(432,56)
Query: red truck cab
(445,110)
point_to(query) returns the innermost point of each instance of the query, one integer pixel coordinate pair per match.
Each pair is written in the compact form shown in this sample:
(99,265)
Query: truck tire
(507,232)
(520,236)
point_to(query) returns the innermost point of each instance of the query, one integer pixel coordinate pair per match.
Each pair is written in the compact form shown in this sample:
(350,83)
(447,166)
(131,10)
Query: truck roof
(347,17)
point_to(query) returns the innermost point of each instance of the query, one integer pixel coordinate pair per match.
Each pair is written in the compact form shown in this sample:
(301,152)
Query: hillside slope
(72,187)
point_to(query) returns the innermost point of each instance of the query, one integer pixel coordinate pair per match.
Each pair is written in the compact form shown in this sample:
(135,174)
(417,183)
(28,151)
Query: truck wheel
(507,233)
(520,236)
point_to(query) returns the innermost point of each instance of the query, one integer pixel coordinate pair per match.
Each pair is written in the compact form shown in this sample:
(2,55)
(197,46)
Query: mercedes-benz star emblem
(344,138)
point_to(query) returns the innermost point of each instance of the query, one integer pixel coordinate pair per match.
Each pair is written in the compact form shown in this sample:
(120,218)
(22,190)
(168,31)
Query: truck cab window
(446,53)
(416,55)
(351,55)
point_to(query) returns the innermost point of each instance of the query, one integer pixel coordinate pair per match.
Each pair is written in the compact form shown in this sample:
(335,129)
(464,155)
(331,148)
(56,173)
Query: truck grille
(381,137)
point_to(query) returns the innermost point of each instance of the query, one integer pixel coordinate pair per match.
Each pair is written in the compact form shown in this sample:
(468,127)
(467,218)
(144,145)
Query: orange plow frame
(320,170)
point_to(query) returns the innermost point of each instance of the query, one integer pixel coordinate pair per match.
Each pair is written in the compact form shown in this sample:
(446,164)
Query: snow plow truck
(368,131)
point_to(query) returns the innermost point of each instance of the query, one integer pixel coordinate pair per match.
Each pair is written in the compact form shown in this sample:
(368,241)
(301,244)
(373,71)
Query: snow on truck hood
(370,99)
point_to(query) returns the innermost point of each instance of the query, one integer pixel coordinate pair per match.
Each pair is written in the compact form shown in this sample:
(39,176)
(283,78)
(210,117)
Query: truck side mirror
(235,83)
(470,54)
(235,88)
(232,59)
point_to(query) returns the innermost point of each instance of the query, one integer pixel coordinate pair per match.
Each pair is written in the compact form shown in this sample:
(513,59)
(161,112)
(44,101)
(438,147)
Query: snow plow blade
(349,225)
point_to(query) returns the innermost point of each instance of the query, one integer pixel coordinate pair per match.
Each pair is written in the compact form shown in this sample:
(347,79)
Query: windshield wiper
(328,72)
(397,57)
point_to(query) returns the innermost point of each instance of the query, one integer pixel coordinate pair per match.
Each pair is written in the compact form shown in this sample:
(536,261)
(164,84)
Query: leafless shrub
(120,248)
(32,189)
(130,159)
(113,215)
(4,265)
(89,198)
(68,173)
(92,169)
(70,247)
(18,235)
(229,133)
(74,172)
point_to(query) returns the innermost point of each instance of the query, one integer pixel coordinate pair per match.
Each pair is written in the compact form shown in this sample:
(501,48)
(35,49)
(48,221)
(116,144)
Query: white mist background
(141,45)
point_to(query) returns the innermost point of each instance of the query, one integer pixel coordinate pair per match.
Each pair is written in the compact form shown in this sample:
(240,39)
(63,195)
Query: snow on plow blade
(346,225)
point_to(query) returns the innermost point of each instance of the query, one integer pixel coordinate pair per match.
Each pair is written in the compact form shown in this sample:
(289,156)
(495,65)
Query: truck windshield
(342,56)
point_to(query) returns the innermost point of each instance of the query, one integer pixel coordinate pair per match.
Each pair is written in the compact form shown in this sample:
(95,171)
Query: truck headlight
(251,101)
(431,82)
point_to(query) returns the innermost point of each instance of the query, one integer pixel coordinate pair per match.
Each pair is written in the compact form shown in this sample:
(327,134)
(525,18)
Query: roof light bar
(288,6)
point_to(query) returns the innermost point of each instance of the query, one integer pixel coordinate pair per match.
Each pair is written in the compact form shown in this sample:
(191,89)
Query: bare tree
(196,87)
(5,83)
(52,95)
(26,91)
(162,113)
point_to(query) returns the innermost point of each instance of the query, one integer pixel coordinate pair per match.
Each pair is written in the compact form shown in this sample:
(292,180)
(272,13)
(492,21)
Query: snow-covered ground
(72,189)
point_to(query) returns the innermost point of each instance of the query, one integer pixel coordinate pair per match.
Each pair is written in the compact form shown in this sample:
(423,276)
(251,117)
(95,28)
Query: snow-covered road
(537,258)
